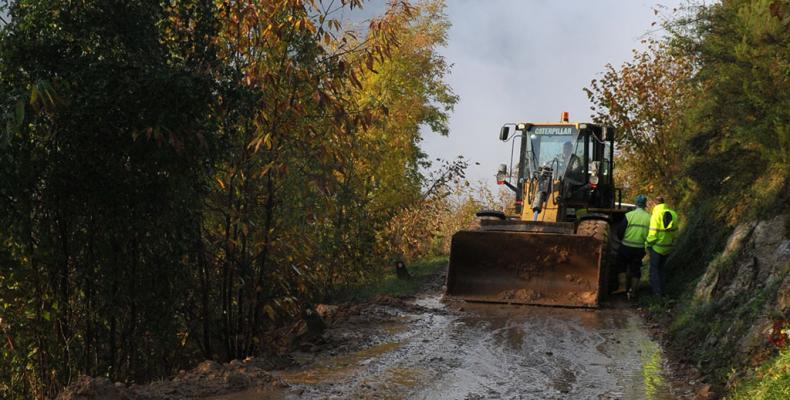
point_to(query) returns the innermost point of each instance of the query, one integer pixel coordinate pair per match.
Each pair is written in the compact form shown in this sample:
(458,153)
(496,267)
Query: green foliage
(86,289)
(716,327)
(645,99)
(387,283)
(178,178)
(714,93)
(744,52)
(771,381)
(448,205)
(700,243)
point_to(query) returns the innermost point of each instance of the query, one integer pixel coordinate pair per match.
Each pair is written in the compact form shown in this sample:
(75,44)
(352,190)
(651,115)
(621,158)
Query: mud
(426,348)
(207,379)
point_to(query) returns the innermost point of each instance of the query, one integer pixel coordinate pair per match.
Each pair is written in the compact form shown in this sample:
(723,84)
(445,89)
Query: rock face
(757,255)
(711,280)
(753,269)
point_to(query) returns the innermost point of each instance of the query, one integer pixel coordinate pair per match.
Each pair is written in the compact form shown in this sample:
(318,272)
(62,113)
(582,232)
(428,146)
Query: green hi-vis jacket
(638,226)
(663,229)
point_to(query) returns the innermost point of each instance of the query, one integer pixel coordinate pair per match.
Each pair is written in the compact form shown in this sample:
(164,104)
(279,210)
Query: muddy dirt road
(424,348)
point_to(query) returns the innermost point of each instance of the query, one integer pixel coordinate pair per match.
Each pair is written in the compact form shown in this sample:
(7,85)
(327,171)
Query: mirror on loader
(504,133)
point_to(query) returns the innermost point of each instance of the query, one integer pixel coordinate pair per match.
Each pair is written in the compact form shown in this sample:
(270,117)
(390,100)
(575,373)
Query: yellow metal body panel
(549,213)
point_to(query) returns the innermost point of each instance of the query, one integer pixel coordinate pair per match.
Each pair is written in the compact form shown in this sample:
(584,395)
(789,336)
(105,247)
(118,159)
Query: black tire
(492,214)
(600,230)
(596,228)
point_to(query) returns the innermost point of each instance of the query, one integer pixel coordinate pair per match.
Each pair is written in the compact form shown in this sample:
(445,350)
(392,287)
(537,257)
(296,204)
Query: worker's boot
(621,282)
(633,289)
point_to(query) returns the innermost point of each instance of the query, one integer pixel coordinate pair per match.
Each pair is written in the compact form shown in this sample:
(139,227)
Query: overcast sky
(528,60)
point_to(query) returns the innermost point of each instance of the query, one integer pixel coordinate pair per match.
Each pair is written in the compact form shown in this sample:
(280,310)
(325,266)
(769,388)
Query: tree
(105,148)
(179,178)
(645,99)
(740,123)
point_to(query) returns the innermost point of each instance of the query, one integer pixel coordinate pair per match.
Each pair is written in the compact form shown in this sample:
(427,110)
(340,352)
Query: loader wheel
(599,229)
(594,227)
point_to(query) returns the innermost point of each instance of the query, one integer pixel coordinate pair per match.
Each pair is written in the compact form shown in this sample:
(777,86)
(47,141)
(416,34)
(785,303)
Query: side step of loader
(552,269)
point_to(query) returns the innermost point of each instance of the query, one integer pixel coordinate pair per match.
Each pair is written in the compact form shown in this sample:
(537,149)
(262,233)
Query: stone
(756,254)
(208,366)
(756,337)
(237,380)
(735,241)
(771,248)
(745,273)
(769,232)
(86,387)
(706,392)
(710,280)
(783,295)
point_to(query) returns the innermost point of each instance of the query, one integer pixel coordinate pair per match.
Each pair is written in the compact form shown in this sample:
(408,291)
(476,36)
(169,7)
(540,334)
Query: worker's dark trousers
(657,276)
(629,260)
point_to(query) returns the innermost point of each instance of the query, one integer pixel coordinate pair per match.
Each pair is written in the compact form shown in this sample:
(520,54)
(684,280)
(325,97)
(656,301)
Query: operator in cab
(565,158)
(570,164)
(632,232)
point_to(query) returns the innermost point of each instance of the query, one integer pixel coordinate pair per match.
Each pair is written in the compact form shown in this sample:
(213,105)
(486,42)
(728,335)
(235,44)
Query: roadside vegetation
(771,381)
(703,113)
(179,178)
(422,272)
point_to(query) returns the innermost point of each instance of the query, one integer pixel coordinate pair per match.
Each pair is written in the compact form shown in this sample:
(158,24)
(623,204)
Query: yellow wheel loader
(555,250)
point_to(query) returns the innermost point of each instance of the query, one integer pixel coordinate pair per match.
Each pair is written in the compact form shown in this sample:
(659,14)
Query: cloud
(525,60)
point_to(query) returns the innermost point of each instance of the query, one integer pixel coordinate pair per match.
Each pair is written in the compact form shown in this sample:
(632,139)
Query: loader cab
(578,156)
(552,147)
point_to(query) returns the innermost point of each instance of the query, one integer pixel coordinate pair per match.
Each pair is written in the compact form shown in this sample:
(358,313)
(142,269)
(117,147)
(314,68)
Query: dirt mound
(346,328)
(95,388)
(207,379)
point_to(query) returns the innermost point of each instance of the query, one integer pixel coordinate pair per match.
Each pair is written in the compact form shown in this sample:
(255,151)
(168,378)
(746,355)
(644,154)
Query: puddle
(430,302)
(655,386)
(254,394)
(489,351)
(335,368)
(394,328)
(405,377)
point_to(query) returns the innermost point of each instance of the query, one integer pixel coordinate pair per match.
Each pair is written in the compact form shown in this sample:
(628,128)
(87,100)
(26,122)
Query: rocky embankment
(738,314)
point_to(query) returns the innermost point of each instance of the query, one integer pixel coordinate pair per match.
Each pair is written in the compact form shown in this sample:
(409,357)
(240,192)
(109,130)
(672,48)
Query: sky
(528,60)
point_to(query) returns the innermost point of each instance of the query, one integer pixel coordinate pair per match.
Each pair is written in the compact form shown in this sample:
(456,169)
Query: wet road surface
(471,351)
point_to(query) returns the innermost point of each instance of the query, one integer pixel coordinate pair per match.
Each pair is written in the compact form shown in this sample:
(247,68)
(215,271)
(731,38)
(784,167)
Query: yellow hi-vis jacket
(663,229)
(638,226)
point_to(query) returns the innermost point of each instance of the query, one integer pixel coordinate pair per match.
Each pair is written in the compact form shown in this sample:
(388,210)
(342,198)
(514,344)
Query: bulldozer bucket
(552,269)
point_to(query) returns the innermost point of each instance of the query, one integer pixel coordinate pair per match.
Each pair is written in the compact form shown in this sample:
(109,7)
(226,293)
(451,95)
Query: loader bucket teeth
(552,269)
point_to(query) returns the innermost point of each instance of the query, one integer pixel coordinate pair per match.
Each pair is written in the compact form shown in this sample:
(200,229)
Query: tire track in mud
(484,351)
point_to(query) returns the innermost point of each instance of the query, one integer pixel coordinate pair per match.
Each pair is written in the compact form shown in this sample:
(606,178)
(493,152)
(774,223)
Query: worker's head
(567,149)
(659,199)
(641,201)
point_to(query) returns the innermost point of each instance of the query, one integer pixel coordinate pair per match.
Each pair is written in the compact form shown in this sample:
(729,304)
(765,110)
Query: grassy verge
(422,272)
(772,381)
